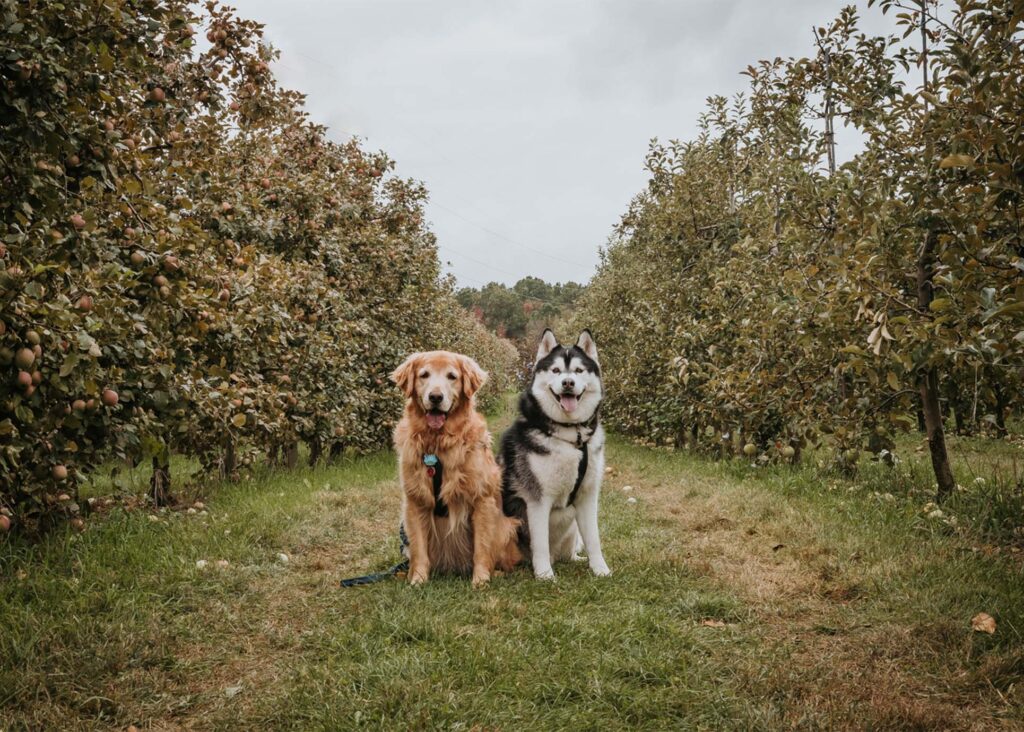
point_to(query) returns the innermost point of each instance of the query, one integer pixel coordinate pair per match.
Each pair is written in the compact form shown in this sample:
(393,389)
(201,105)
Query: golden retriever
(464,529)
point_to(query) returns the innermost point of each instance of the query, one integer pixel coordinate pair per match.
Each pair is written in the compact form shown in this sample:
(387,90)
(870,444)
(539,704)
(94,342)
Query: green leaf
(1015,307)
(903,420)
(71,361)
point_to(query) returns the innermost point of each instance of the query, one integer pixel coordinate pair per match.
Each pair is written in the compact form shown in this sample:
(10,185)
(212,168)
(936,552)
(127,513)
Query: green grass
(741,599)
(987,506)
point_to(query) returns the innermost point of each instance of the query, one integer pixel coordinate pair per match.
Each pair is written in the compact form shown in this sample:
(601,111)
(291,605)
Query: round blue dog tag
(430,460)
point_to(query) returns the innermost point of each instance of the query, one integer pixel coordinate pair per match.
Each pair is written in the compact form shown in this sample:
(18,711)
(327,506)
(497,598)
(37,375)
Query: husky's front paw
(600,569)
(542,573)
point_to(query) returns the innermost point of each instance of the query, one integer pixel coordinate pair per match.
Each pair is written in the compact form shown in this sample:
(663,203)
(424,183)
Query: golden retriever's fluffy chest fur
(450,543)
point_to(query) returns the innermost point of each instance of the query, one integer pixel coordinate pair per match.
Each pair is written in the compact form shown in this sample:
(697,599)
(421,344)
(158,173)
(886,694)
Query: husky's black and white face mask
(567,379)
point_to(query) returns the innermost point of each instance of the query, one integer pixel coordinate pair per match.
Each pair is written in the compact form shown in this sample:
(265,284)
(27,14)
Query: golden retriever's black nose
(436,399)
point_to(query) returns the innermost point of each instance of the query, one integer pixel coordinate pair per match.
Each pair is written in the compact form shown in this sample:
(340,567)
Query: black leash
(369,579)
(436,471)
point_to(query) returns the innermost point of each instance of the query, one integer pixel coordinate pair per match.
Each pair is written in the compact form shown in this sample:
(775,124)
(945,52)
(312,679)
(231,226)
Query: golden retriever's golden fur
(441,419)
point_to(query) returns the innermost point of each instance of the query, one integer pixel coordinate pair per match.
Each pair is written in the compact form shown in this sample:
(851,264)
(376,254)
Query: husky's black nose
(568,384)
(436,399)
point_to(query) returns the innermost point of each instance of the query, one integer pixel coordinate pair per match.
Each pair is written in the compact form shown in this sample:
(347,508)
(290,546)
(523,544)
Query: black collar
(590,424)
(534,417)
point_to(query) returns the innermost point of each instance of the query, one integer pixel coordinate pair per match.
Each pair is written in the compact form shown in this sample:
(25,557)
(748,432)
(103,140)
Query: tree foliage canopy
(186,261)
(765,291)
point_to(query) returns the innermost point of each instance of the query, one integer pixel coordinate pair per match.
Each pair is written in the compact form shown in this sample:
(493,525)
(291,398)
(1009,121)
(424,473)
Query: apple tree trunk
(928,384)
(160,482)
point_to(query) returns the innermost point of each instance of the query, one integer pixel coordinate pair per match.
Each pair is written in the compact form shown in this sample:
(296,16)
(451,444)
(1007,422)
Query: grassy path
(736,603)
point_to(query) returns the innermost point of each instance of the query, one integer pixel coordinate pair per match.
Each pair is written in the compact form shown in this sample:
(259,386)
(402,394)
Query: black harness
(436,471)
(440,508)
(583,446)
(580,472)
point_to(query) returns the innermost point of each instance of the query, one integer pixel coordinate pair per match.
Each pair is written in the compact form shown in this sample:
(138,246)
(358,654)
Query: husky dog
(553,457)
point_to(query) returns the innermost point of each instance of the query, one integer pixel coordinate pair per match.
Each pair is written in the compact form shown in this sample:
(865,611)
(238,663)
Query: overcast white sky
(528,120)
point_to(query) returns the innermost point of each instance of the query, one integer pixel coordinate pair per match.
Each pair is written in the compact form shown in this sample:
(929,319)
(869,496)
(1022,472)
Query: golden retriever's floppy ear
(547,344)
(473,377)
(586,344)
(405,375)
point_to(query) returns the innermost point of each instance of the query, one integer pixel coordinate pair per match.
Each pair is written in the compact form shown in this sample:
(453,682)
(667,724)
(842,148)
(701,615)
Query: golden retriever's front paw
(418,577)
(480,579)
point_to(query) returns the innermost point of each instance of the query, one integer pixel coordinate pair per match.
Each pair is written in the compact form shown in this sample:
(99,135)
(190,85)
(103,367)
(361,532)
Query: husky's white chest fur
(558,469)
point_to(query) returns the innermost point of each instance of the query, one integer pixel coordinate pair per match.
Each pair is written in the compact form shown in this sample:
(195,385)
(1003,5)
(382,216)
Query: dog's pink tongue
(436,420)
(568,402)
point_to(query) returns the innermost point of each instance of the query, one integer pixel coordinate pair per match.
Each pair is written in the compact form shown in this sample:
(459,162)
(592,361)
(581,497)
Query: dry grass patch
(847,641)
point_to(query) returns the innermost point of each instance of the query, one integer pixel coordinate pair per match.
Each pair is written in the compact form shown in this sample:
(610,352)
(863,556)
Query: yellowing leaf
(238,420)
(939,304)
(983,623)
(893,382)
(712,623)
(956,161)
(1012,308)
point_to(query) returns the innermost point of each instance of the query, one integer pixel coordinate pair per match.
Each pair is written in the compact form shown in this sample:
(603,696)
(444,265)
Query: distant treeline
(522,311)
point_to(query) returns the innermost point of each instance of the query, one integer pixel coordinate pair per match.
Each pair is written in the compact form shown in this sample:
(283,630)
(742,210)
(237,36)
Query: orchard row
(187,263)
(768,296)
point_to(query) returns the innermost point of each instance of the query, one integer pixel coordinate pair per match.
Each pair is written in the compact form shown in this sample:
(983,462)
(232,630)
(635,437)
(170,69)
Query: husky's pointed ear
(473,377)
(586,344)
(405,375)
(548,343)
